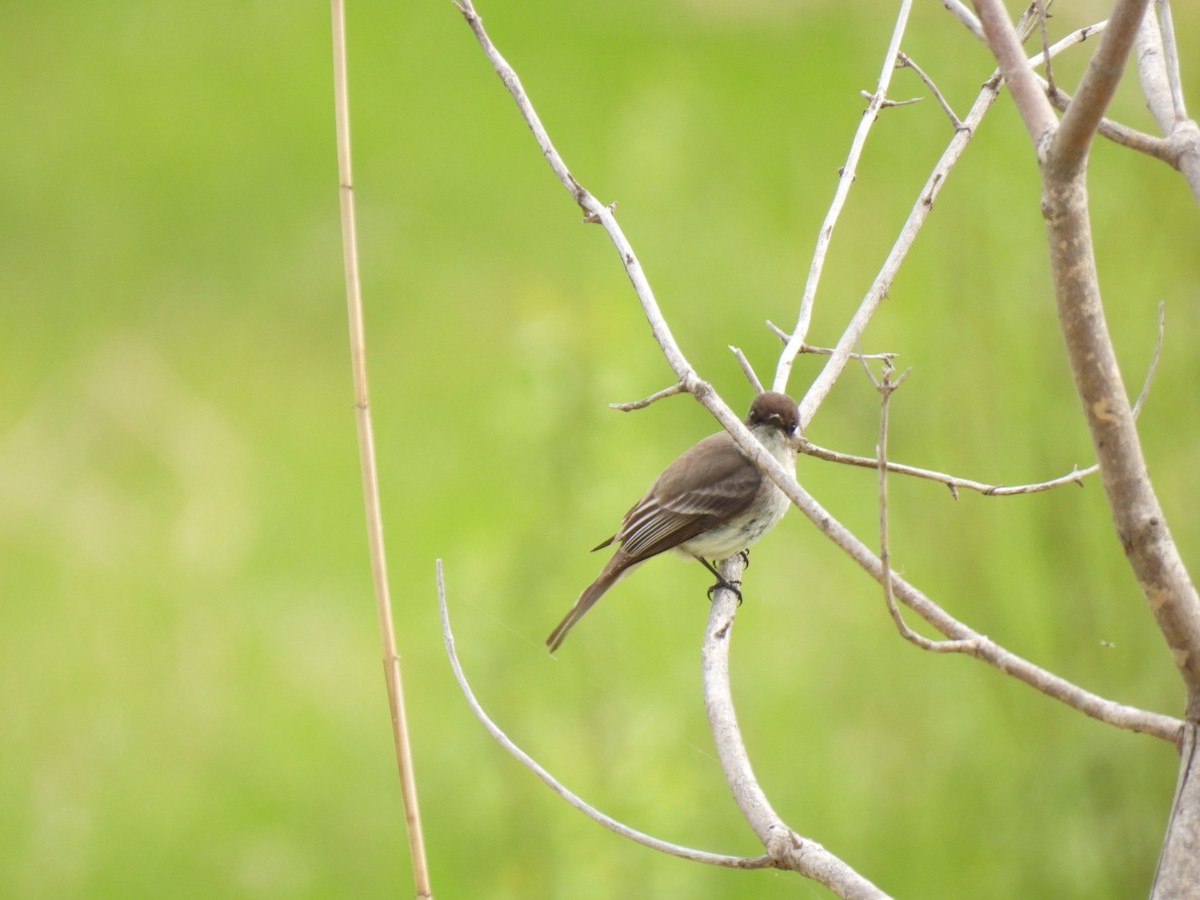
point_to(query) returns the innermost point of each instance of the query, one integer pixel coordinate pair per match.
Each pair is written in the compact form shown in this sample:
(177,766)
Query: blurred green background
(190,670)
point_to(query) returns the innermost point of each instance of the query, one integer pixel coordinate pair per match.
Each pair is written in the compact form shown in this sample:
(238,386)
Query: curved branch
(785,848)
(886,387)
(702,856)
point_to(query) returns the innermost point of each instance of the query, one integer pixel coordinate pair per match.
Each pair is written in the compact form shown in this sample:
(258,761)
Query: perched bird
(710,504)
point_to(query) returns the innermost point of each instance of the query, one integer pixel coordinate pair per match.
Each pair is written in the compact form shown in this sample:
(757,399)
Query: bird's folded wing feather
(687,501)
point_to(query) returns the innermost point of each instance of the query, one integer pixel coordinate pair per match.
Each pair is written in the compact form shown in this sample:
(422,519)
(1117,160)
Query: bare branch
(1082,118)
(594,210)
(671,391)
(1158,69)
(1137,514)
(747,369)
(1154,358)
(953,482)
(886,386)
(1005,44)
(848,171)
(1078,36)
(886,356)
(968,18)
(1158,66)
(1040,14)
(1160,148)
(1171,57)
(777,331)
(843,352)
(852,335)
(1176,872)
(906,61)
(886,103)
(1123,135)
(787,849)
(715,859)
(826,351)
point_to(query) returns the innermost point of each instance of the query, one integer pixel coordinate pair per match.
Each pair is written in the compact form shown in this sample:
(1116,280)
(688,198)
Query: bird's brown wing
(685,502)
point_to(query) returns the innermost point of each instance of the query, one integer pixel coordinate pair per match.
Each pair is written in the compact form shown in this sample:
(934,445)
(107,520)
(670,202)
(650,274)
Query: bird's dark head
(778,410)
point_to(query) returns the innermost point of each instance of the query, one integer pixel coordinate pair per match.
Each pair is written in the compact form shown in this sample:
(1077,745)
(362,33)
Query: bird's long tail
(614,570)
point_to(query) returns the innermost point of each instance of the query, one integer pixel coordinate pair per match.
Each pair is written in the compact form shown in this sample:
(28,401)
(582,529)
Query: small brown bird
(710,504)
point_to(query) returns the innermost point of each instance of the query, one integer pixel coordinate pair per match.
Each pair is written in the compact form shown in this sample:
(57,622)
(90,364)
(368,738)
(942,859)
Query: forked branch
(1061,150)
(785,849)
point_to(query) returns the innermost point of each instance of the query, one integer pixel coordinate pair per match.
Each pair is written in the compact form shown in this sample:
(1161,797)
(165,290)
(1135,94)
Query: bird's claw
(722,583)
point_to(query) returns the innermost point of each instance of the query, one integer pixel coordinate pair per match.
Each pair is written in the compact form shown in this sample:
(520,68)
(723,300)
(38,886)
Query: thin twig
(1048,62)
(366,455)
(886,387)
(964,15)
(778,332)
(671,391)
(887,103)
(826,351)
(747,369)
(953,482)
(715,859)
(1154,358)
(1078,36)
(905,61)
